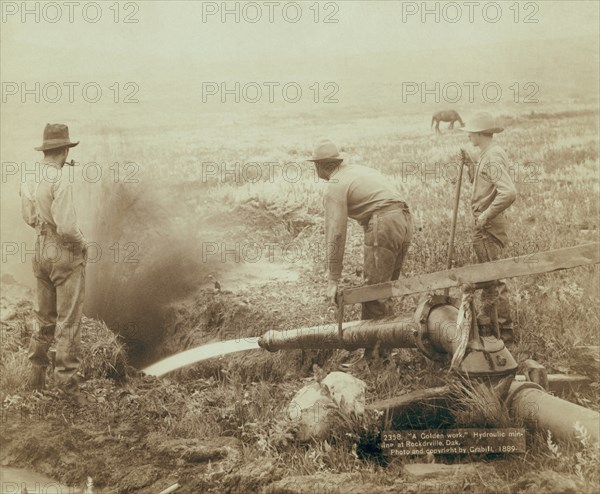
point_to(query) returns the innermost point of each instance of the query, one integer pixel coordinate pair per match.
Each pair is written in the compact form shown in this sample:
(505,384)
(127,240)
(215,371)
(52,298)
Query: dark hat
(56,136)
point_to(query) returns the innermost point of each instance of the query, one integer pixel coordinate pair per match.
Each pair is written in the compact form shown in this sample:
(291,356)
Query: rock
(346,391)
(311,407)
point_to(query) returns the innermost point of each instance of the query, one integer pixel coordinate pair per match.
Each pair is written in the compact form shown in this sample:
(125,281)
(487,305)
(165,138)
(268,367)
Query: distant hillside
(564,70)
(561,68)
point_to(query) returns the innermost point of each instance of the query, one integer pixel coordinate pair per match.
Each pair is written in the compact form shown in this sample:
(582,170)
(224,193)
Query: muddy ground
(220,425)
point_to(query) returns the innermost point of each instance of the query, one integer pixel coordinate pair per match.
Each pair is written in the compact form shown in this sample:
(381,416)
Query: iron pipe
(395,332)
(432,329)
(533,405)
(398,332)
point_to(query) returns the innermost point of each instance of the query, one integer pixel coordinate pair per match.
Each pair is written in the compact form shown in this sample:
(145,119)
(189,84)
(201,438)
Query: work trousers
(60,272)
(387,238)
(488,248)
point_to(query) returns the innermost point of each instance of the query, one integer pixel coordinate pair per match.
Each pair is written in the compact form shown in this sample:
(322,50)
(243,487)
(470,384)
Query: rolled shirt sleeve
(28,210)
(336,222)
(63,212)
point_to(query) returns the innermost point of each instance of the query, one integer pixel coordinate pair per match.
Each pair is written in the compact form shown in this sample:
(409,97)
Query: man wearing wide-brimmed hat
(493,192)
(58,265)
(365,195)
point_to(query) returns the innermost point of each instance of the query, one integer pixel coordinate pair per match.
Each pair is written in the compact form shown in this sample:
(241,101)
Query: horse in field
(446,116)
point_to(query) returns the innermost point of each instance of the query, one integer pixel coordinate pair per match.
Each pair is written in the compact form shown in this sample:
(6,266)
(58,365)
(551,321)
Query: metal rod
(453,225)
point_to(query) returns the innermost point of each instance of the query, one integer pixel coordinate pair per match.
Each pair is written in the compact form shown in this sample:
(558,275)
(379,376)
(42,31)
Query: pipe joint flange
(421,317)
(520,387)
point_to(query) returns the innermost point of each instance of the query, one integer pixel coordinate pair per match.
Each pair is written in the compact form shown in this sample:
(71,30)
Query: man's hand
(468,162)
(481,222)
(332,288)
(466,158)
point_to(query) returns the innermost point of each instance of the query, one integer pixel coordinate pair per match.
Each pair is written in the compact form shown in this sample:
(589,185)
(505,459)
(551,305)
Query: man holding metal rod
(493,192)
(363,194)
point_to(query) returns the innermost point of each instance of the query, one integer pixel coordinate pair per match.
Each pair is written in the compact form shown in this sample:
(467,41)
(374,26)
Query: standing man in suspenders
(493,192)
(58,265)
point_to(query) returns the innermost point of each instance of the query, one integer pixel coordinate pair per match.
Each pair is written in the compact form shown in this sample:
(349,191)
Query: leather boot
(37,378)
(507,335)
(70,390)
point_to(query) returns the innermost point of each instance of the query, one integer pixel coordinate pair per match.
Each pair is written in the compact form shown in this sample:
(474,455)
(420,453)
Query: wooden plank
(409,400)
(562,384)
(542,262)
(557,383)
(536,373)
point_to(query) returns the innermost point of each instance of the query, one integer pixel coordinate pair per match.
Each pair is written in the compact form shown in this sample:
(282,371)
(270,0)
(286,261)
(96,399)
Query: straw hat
(325,151)
(482,122)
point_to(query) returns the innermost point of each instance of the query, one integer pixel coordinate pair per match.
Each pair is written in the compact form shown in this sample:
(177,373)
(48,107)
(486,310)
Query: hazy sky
(176,31)
(173,41)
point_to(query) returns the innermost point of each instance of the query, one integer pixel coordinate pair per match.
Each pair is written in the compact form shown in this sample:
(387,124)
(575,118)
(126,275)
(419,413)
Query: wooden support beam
(407,401)
(541,262)
(559,384)
(536,372)
(562,384)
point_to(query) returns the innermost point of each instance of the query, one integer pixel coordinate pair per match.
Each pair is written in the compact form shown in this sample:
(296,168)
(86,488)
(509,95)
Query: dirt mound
(549,482)
(125,441)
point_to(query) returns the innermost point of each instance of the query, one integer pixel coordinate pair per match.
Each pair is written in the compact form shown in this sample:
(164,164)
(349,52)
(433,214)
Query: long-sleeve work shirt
(493,189)
(49,200)
(355,192)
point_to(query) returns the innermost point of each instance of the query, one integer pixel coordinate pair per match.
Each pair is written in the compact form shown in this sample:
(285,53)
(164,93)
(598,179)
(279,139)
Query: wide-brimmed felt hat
(56,136)
(482,122)
(325,151)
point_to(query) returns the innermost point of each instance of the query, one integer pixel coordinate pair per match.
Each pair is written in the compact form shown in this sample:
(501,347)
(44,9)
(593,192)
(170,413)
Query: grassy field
(192,217)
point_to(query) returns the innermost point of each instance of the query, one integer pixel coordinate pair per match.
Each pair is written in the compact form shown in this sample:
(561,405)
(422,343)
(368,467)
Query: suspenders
(32,197)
